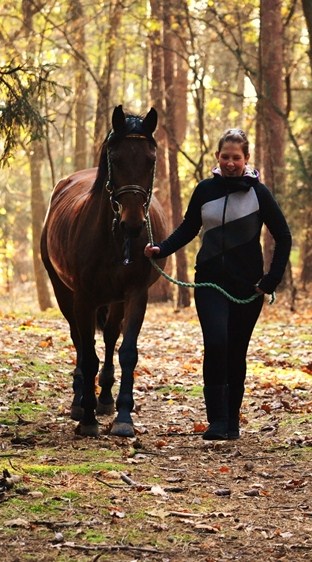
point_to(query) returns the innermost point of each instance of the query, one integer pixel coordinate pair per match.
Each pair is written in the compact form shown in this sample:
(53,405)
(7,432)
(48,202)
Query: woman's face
(232,159)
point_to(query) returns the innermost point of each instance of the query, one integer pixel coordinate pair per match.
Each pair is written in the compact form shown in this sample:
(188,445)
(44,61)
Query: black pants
(227,329)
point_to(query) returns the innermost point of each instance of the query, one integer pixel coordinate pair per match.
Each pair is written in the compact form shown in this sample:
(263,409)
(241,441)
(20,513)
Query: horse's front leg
(128,356)
(89,364)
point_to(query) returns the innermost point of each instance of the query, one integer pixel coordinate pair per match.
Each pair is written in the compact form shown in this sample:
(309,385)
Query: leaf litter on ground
(165,495)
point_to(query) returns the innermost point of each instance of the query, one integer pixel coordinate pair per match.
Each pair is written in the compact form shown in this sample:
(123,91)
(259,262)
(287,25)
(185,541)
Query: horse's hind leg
(64,297)
(89,364)
(111,332)
(128,357)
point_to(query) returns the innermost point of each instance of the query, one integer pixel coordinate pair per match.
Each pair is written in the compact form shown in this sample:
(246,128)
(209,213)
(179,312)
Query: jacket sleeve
(275,221)
(186,231)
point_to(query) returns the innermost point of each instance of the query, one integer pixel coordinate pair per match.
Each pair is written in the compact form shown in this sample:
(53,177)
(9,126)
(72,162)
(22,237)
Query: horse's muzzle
(131,230)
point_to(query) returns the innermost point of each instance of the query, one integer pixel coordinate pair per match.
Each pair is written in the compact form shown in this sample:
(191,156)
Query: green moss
(169,389)
(196,391)
(28,408)
(82,468)
(95,537)
(70,495)
(47,507)
(294,419)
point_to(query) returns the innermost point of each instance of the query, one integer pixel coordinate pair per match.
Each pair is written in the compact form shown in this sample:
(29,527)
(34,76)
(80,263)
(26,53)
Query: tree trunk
(35,155)
(307,10)
(162,290)
(175,190)
(306,250)
(78,40)
(102,122)
(38,214)
(271,105)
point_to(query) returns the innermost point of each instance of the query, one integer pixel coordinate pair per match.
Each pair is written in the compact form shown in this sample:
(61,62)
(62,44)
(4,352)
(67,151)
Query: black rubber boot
(236,394)
(216,399)
(233,429)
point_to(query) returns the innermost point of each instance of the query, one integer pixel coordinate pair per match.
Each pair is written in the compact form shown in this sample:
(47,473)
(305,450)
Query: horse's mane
(133,126)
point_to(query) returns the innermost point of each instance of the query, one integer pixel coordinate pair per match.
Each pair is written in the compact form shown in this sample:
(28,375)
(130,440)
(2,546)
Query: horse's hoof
(105,409)
(91,430)
(122,429)
(76,412)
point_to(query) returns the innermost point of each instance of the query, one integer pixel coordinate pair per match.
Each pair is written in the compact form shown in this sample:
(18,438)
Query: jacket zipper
(223,230)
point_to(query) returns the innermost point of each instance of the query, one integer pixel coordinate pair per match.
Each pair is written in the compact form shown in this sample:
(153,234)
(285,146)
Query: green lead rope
(193,285)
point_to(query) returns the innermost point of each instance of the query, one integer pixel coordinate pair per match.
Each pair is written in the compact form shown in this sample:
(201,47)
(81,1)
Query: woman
(230,208)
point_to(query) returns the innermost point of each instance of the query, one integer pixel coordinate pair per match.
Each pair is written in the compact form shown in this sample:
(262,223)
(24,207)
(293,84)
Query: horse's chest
(114,283)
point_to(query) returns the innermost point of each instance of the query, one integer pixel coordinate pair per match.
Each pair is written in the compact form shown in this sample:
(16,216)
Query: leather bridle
(134,189)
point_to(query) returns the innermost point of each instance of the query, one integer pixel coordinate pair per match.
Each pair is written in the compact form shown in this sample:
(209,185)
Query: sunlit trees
(64,66)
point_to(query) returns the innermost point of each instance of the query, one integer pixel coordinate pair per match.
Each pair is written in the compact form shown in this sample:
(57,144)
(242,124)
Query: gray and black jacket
(230,213)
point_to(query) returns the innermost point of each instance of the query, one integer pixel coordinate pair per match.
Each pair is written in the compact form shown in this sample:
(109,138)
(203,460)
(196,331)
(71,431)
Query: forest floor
(165,495)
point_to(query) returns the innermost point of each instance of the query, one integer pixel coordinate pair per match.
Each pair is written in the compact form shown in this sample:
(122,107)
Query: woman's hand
(258,290)
(150,250)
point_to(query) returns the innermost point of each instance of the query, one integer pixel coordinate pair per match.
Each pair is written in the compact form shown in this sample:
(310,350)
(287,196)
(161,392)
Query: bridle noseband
(134,189)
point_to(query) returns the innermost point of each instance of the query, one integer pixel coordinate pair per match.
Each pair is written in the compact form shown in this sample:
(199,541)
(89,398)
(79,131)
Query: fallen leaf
(252,493)
(223,492)
(19,522)
(199,427)
(158,491)
(225,469)
(206,528)
(161,443)
(115,512)
(47,342)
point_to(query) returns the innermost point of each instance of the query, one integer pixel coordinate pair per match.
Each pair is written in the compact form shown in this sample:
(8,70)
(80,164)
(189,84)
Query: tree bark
(307,11)
(162,289)
(271,105)
(175,189)
(306,250)
(38,214)
(102,117)
(78,40)
(35,155)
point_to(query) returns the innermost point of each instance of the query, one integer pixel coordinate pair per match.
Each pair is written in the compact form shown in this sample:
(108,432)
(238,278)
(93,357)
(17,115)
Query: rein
(196,285)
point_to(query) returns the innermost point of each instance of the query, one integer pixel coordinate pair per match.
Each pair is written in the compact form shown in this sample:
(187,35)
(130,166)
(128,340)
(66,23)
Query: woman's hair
(235,135)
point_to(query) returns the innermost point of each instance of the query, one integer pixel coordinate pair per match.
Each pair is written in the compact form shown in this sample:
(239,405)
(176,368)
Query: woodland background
(164,496)
(205,66)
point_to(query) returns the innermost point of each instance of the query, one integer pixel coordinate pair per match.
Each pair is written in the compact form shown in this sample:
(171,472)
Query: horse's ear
(118,119)
(150,121)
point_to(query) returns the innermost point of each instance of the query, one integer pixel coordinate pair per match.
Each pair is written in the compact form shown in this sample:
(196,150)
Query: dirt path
(165,496)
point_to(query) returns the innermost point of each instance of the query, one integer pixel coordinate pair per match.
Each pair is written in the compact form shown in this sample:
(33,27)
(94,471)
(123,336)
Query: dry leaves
(166,495)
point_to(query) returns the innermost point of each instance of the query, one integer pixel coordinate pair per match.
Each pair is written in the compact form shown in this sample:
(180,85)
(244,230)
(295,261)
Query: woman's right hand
(150,250)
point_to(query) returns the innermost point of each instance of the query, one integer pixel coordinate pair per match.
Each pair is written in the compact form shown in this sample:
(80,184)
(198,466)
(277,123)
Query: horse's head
(131,158)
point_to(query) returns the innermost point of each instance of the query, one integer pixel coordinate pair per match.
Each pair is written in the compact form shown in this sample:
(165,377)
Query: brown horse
(92,247)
